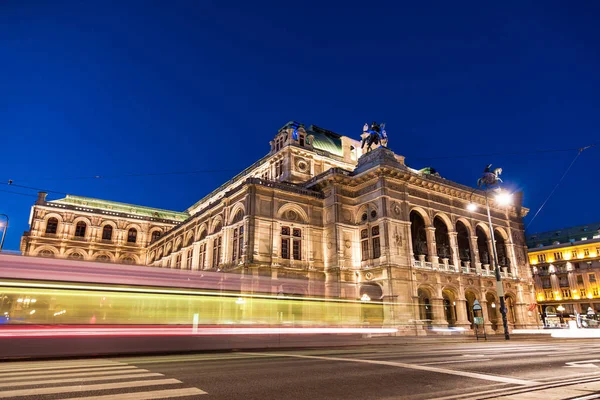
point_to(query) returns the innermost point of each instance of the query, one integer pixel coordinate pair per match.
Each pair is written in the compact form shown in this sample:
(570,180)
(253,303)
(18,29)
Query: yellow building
(565,265)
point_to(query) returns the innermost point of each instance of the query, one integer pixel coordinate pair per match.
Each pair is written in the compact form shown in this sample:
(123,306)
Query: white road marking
(54,365)
(582,364)
(474,375)
(80,380)
(85,388)
(70,372)
(155,394)
(457,361)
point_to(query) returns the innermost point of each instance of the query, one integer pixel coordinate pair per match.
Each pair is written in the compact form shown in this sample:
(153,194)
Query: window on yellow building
(541,258)
(558,255)
(586,252)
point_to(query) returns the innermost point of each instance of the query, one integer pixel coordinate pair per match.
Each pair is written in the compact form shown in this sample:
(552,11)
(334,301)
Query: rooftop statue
(489,178)
(375,134)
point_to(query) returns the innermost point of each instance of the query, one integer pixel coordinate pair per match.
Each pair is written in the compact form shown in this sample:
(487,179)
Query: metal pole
(3,231)
(499,287)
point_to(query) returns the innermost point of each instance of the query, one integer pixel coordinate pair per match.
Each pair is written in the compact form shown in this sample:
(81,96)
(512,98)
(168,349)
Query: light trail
(179,331)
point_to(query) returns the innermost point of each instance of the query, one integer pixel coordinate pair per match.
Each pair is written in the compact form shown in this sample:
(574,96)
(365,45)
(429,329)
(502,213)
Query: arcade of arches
(339,221)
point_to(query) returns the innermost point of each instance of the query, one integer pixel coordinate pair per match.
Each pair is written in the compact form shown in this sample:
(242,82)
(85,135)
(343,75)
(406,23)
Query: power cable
(580,150)
(502,154)
(19,193)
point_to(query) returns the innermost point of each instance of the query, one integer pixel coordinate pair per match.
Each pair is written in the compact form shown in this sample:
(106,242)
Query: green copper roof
(122,208)
(326,140)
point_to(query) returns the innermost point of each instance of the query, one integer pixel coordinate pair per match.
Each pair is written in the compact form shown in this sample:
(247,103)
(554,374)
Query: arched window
(482,246)
(442,239)
(80,229)
(238,217)
(107,232)
(503,259)
(132,235)
(418,234)
(155,235)
(52,226)
(75,256)
(464,242)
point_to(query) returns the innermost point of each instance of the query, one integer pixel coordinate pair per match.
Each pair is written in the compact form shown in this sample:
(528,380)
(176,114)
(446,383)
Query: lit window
(541,258)
(586,252)
(301,140)
(178,261)
(574,253)
(566,293)
(584,238)
(558,256)
(51,226)
(592,277)
(364,243)
(582,292)
(373,240)
(80,229)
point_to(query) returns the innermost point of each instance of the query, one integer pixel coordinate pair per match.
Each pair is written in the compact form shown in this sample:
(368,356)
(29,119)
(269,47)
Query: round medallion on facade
(489,283)
(347,244)
(301,165)
(449,279)
(291,215)
(470,281)
(369,276)
(364,217)
(396,208)
(373,214)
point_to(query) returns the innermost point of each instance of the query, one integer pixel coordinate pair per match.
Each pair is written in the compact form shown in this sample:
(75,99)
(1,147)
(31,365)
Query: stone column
(475,260)
(462,321)
(439,317)
(431,247)
(455,251)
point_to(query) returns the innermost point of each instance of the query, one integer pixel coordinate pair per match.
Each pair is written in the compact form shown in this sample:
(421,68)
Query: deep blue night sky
(98,88)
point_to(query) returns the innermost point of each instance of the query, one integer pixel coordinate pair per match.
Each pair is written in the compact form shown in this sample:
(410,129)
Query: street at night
(412,370)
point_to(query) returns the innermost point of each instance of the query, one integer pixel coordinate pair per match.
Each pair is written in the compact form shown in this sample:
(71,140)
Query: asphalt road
(417,370)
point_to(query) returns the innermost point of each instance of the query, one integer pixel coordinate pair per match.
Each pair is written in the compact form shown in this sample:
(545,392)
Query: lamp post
(5,227)
(491,179)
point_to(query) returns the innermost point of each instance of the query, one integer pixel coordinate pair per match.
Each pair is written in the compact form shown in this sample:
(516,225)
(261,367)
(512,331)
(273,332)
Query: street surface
(549,369)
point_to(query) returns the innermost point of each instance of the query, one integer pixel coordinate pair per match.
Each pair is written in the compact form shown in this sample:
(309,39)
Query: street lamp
(4,226)
(491,180)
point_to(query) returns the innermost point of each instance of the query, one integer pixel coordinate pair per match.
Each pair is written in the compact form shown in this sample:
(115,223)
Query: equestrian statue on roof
(374,135)
(490,178)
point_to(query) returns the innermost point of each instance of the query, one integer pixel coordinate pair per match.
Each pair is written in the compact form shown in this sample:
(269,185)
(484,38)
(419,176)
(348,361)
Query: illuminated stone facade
(565,265)
(317,209)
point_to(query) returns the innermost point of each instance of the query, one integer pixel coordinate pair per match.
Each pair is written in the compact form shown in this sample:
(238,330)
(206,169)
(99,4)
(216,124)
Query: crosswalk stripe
(155,394)
(81,379)
(84,388)
(54,366)
(120,368)
(78,374)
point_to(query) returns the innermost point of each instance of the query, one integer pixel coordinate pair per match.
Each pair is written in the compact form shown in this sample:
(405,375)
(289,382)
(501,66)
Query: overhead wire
(580,150)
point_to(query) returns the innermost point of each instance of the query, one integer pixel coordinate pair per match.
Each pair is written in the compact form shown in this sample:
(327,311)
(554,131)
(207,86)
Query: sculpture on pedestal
(374,135)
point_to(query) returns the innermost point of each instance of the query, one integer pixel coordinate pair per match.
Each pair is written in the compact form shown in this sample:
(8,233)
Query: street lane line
(494,378)
(456,362)
(121,368)
(155,394)
(82,379)
(52,365)
(77,374)
(84,388)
